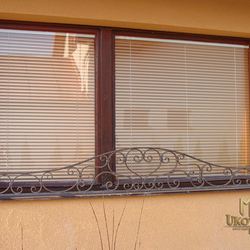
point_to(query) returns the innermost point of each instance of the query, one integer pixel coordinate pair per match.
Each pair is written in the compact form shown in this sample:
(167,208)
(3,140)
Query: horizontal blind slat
(187,97)
(47,99)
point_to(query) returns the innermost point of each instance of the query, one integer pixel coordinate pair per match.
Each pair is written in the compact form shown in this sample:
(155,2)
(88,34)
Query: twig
(106,223)
(113,229)
(119,223)
(22,234)
(139,222)
(97,224)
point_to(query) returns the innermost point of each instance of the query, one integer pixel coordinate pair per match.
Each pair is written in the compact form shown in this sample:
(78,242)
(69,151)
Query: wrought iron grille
(127,171)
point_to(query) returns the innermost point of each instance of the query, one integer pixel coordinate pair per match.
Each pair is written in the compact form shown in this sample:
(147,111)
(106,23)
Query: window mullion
(105,139)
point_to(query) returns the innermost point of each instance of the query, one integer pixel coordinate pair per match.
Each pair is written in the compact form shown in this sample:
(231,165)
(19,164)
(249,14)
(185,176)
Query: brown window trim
(105,76)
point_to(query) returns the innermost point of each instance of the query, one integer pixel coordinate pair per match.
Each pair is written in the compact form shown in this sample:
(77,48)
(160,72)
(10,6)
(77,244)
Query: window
(47,102)
(72,98)
(188,96)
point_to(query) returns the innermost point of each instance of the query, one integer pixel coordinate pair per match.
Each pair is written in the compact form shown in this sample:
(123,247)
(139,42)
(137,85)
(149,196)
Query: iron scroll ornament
(138,170)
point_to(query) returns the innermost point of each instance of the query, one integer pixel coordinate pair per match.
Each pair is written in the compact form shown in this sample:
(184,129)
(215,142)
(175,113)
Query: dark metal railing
(130,171)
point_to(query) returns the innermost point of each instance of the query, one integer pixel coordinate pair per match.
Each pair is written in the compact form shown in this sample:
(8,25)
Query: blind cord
(236,108)
(186,80)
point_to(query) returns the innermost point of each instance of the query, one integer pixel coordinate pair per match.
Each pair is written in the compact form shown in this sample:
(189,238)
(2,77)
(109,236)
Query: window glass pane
(47,99)
(189,97)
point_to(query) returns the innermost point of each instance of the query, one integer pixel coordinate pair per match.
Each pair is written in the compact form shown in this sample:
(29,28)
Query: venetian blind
(187,96)
(47,100)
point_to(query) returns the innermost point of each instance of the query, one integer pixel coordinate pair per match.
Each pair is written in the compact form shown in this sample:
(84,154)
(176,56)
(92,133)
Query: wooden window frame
(105,76)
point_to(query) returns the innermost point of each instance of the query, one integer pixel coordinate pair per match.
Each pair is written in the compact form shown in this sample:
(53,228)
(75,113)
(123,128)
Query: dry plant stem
(97,224)
(22,235)
(119,223)
(113,230)
(106,223)
(139,221)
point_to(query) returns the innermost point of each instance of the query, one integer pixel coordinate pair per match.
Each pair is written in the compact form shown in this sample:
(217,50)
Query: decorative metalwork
(138,170)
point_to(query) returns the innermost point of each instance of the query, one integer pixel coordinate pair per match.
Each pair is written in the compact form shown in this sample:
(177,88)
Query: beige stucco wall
(181,221)
(193,221)
(222,17)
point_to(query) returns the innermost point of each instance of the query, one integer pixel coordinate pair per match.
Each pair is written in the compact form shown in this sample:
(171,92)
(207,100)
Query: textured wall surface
(223,17)
(193,221)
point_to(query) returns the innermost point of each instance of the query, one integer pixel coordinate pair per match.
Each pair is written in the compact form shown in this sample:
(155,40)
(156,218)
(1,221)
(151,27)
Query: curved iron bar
(137,169)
